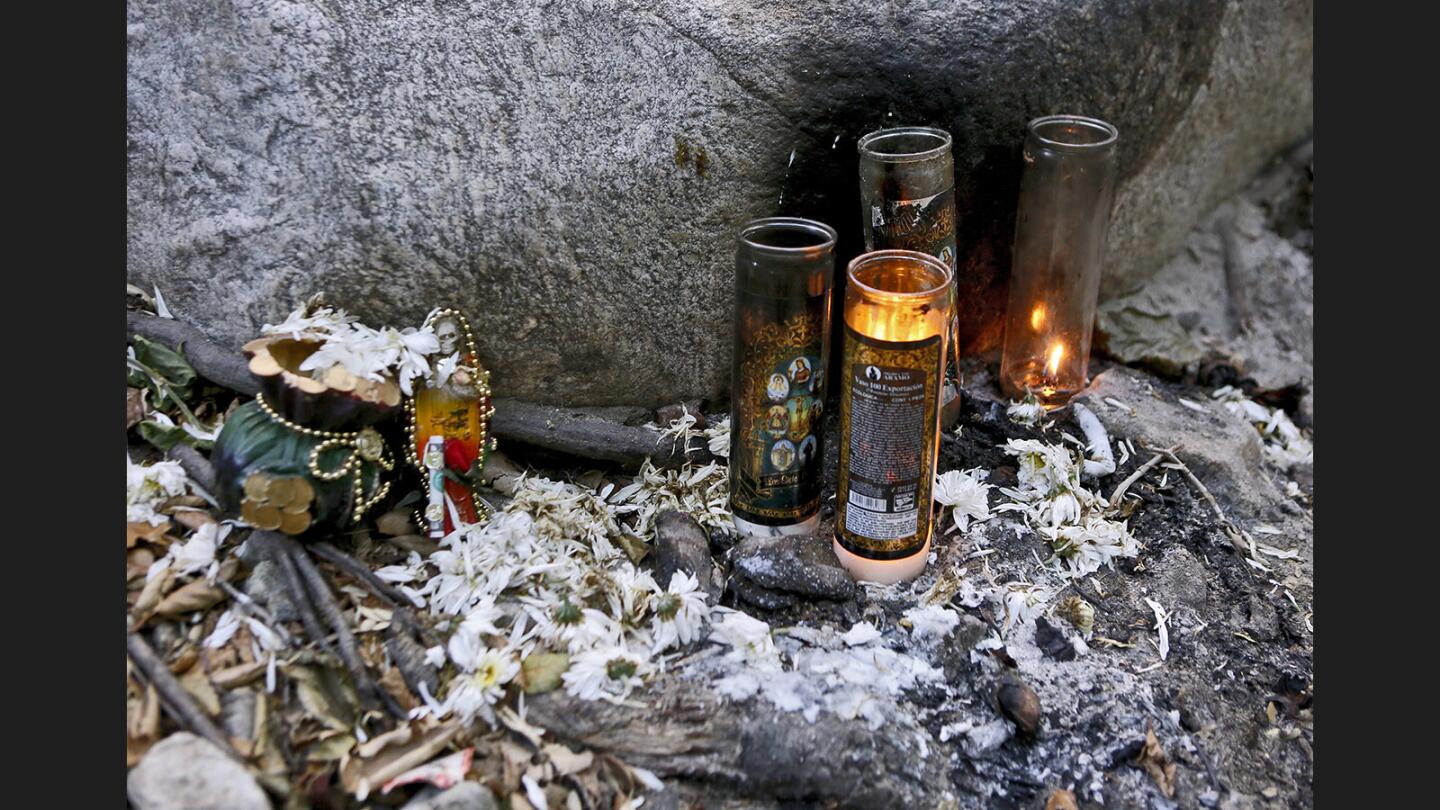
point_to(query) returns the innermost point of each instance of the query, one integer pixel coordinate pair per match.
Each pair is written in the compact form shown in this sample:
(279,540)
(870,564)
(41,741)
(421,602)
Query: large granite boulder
(573,174)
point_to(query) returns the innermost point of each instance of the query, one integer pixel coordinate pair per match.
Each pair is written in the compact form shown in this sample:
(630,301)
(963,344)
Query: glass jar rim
(866,144)
(826,236)
(932,262)
(1107,130)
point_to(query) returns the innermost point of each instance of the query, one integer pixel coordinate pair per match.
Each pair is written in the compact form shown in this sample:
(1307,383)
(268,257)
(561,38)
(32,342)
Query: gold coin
(281,490)
(256,485)
(293,523)
(265,517)
(304,491)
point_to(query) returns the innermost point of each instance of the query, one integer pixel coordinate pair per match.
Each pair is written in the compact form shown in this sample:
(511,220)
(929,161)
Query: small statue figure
(449,419)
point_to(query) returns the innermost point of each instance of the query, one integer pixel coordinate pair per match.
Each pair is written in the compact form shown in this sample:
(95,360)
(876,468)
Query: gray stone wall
(573,173)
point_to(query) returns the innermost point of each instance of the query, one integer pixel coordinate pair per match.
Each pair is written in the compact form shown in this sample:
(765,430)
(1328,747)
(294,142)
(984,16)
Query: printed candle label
(888,410)
(926,225)
(775,447)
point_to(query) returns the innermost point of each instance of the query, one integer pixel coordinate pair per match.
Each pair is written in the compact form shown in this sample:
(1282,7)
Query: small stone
(1180,579)
(1210,798)
(666,414)
(464,796)
(800,565)
(1020,704)
(185,772)
(1052,641)
(682,545)
(266,585)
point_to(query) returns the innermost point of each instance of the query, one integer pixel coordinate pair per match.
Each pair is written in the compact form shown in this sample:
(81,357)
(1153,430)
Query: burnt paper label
(926,225)
(889,404)
(775,470)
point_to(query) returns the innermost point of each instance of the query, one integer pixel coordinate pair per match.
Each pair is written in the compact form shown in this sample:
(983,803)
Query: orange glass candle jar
(897,316)
(1064,213)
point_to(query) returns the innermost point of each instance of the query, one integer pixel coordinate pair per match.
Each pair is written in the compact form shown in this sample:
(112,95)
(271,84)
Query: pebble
(185,772)
(464,796)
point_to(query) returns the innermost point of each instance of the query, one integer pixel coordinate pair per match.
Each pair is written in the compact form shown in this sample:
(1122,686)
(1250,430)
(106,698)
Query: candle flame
(1052,362)
(1037,317)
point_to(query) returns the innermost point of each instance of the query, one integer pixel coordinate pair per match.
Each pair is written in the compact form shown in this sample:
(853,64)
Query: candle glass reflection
(783,272)
(897,323)
(1066,192)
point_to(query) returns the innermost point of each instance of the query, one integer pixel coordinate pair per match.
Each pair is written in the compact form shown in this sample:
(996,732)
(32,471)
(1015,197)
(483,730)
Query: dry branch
(174,697)
(216,364)
(584,432)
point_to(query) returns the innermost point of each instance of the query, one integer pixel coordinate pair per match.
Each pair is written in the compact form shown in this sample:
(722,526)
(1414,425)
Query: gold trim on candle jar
(1064,212)
(897,313)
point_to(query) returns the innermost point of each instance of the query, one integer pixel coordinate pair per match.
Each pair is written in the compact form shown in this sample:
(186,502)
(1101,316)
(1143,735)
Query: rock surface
(773,572)
(1242,290)
(568,173)
(184,772)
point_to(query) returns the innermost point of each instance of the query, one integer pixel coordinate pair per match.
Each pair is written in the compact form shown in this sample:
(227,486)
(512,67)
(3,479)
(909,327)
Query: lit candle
(897,308)
(1066,192)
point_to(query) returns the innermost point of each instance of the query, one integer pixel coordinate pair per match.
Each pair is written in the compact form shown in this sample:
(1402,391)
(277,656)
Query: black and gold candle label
(775,451)
(926,225)
(888,411)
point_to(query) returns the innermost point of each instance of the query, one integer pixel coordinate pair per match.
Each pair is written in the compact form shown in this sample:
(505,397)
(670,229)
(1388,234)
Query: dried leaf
(634,547)
(331,748)
(444,773)
(134,406)
(238,675)
(197,683)
(194,519)
(326,693)
(1061,799)
(197,595)
(140,530)
(566,761)
(142,721)
(360,776)
(150,595)
(1155,762)
(541,672)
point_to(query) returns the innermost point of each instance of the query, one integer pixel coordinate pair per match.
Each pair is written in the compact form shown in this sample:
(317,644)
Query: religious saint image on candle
(779,387)
(817,381)
(800,371)
(777,423)
(807,450)
(782,455)
(798,411)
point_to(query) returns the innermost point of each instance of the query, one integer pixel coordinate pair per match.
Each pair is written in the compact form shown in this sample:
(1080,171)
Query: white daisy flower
(679,613)
(605,673)
(1026,411)
(967,495)
(147,486)
(472,693)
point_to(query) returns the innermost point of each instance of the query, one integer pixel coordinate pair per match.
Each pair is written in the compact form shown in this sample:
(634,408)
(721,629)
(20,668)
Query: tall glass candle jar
(783,272)
(907,202)
(1066,193)
(897,323)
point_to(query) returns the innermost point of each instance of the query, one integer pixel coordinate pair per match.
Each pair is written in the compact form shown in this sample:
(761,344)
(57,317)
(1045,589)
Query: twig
(1135,476)
(382,590)
(1232,532)
(294,587)
(196,466)
(209,360)
(174,697)
(349,653)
